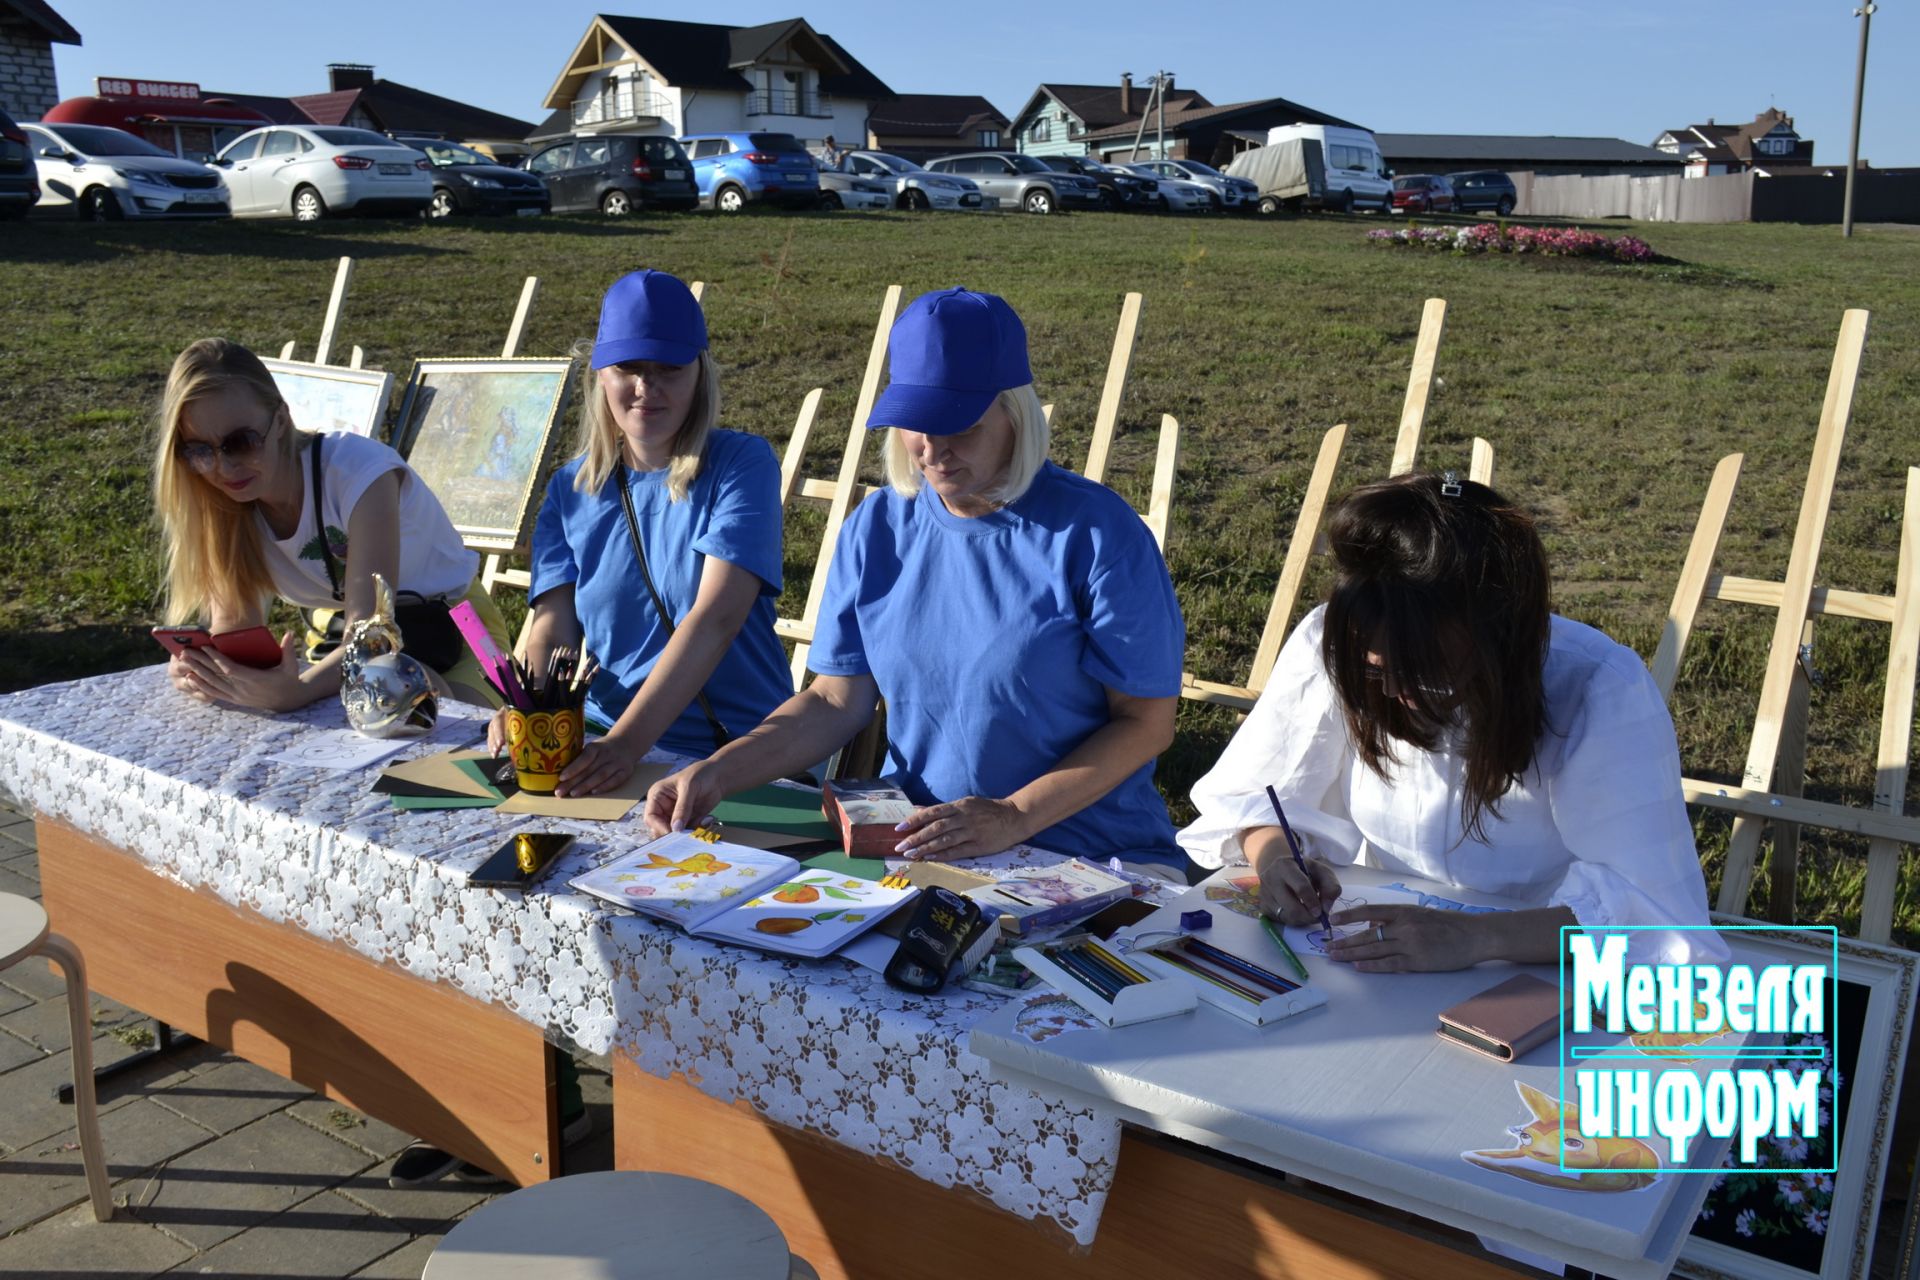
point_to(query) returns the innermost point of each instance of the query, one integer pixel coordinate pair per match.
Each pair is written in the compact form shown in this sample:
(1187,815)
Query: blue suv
(735,169)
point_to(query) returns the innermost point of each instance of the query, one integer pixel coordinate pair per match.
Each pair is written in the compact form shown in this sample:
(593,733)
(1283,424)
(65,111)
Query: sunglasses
(240,447)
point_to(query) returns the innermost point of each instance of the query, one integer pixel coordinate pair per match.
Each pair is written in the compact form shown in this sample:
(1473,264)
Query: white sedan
(102,173)
(309,171)
(1177,195)
(914,187)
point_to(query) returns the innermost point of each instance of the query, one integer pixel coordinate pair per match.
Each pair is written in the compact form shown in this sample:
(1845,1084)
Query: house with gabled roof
(28,31)
(659,75)
(1210,134)
(1711,148)
(1057,118)
(356,97)
(921,125)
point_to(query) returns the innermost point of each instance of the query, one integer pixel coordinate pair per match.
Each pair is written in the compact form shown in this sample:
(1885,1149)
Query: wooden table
(1175,1208)
(469,1077)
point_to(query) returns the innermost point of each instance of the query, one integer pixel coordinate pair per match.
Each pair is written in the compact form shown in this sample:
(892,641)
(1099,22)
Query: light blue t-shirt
(732,513)
(994,640)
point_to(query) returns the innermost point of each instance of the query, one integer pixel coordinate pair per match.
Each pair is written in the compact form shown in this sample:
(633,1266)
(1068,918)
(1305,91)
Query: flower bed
(1495,237)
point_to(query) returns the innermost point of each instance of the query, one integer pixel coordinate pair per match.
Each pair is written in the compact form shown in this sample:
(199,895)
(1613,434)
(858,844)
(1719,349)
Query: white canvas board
(1362,1090)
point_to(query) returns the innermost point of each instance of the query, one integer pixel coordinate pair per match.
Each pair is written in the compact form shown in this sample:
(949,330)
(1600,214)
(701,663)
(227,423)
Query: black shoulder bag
(427,631)
(720,736)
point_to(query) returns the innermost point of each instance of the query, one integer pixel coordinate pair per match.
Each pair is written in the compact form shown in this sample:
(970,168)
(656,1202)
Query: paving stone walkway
(219,1168)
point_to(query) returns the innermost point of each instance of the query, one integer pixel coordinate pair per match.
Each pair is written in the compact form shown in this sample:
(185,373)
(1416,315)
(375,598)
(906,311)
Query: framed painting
(1757,1226)
(324,397)
(480,433)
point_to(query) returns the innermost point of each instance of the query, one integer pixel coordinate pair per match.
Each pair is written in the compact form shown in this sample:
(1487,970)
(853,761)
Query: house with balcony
(1769,140)
(657,75)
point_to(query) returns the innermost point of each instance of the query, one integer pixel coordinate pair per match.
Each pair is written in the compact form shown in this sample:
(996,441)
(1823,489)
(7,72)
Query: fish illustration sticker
(1592,1164)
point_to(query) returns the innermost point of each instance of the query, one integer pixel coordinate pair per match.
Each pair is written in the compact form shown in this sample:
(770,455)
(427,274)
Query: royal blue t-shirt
(732,513)
(994,639)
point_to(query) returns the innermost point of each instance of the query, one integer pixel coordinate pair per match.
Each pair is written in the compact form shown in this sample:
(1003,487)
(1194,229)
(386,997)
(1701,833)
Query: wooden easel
(1771,784)
(342,278)
(1306,540)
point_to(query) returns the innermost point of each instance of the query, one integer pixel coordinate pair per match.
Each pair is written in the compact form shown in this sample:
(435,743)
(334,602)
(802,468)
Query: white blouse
(1597,824)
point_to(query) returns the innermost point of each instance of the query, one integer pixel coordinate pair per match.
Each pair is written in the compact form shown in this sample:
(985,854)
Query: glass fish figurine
(386,693)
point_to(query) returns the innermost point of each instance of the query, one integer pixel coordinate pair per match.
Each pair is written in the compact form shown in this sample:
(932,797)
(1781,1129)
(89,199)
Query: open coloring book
(1237,889)
(730,893)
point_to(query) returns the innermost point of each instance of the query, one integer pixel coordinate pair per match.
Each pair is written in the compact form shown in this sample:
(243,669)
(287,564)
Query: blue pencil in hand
(1293,843)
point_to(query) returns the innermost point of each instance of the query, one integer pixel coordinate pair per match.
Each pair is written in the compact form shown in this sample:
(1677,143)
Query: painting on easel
(480,433)
(329,398)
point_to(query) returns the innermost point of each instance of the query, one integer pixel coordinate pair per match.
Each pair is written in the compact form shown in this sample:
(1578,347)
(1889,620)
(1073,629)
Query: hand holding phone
(250,646)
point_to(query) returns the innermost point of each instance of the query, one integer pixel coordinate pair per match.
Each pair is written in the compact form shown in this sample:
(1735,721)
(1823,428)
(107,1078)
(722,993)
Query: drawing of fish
(699,864)
(1593,1164)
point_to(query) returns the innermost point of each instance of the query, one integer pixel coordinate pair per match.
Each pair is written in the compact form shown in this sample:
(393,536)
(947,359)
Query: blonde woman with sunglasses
(235,492)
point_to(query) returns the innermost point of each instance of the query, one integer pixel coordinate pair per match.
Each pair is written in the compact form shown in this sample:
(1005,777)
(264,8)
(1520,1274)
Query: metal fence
(1730,197)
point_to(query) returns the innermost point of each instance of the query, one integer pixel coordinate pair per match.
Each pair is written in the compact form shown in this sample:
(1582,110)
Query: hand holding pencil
(1295,889)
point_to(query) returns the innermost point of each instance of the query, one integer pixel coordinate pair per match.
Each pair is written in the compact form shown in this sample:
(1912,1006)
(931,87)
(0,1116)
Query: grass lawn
(1608,393)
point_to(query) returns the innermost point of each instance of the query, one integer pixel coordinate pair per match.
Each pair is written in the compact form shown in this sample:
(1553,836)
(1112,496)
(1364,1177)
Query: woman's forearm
(1531,936)
(1105,759)
(678,676)
(801,732)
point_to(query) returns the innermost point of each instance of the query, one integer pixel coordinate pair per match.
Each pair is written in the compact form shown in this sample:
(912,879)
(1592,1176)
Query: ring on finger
(1379,933)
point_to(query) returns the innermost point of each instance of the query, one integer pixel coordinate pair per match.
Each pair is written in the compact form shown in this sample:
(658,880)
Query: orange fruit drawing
(796,893)
(782,924)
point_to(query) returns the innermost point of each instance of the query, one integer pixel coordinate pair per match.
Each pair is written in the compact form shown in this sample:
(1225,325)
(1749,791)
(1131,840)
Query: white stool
(616,1226)
(24,932)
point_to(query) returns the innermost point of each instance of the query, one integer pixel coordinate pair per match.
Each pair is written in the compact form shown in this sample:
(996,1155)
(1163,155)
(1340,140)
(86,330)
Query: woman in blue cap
(658,546)
(1018,620)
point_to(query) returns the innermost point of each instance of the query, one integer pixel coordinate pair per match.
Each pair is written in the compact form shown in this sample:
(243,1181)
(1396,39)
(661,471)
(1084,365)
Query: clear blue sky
(1438,66)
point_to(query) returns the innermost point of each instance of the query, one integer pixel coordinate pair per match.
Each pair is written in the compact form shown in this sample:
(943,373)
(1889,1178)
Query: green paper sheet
(473,770)
(443,802)
(784,810)
(840,864)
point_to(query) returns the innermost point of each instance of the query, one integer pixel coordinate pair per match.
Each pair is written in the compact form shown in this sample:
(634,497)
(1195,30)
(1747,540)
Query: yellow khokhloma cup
(542,743)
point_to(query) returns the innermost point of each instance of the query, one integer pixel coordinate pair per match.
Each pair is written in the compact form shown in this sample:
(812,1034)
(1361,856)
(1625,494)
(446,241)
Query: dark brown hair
(1448,583)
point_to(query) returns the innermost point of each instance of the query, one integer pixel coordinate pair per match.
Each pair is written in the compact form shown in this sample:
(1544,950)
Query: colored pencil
(1234,964)
(1179,961)
(1105,958)
(1279,940)
(1273,798)
(1104,983)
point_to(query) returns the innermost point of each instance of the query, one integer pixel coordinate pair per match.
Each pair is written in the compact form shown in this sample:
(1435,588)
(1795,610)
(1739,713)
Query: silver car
(912,186)
(1176,195)
(841,190)
(1021,182)
(1231,194)
(309,171)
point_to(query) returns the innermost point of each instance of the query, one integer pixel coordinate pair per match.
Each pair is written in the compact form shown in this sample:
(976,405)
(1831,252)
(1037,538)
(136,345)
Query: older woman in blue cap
(1018,620)
(658,546)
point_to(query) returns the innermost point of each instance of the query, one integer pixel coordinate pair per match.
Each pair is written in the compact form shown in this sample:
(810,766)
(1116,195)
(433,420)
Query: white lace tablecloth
(819,1045)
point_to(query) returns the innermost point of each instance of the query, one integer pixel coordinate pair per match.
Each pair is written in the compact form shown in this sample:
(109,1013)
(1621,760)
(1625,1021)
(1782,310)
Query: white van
(1356,175)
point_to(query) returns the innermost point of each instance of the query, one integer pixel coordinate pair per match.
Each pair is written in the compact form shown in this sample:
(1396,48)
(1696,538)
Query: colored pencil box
(1098,981)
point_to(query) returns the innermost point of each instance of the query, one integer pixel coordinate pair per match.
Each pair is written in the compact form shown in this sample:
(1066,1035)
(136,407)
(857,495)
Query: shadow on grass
(71,653)
(93,242)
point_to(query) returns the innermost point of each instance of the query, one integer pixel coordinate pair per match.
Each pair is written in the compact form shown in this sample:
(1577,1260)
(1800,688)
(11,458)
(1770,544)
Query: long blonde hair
(1031,439)
(599,443)
(212,545)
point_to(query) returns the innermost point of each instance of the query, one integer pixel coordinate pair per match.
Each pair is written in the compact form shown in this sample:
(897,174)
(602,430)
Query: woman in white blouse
(1434,717)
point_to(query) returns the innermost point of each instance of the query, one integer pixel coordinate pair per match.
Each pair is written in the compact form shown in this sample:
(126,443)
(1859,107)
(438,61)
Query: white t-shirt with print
(433,562)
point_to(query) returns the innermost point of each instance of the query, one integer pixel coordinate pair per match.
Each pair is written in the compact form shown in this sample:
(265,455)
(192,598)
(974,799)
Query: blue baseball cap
(649,315)
(949,355)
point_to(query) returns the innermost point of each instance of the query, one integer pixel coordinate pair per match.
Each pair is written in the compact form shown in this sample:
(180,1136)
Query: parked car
(1422,193)
(1483,189)
(309,171)
(913,187)
(1119,188)
(1231,195)
(464,181)
(734,170)
(1177,195)
(514,155)
(1356,174)
(19,176)
(102,173)
(615,173)
(1021,181)
(841,190)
